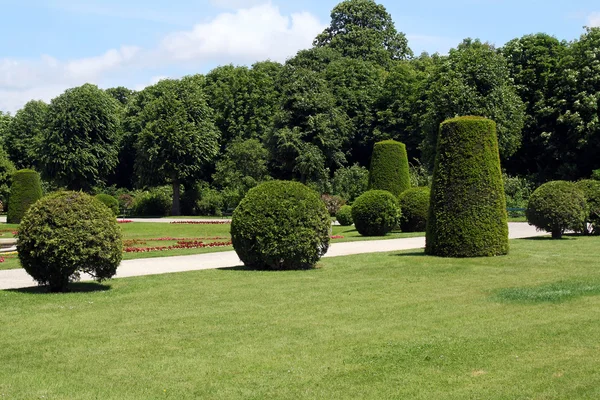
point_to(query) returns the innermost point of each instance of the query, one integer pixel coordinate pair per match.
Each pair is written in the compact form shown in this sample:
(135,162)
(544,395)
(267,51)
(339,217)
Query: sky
(48,46)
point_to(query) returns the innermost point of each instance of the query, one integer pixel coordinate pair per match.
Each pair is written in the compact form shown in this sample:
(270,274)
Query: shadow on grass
(549,238)
(555,292)
(77,287)
(255,269)
(410,254)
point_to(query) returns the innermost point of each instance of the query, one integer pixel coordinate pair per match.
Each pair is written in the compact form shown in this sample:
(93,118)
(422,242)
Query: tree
(79,147)
(364,29)
(177,137)
(4,122)
(23,134)
(7,169)
(473,80)
(121,94)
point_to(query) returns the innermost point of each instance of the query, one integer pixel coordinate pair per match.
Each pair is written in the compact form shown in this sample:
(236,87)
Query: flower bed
(183,244)
(227,221)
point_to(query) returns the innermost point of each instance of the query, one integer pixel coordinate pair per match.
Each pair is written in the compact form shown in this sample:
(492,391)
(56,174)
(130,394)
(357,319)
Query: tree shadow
(75,287)
(410,254)
(255,269)
(550,239)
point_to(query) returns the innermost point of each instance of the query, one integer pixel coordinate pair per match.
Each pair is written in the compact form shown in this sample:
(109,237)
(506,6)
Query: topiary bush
(555,207)
(415,207)
(153,203)
(375,213)
(467,215)
(591,192)
(25,190)
(109,201)
(332,203)
(344,216)
(280,225)
(389,167)
(65,234)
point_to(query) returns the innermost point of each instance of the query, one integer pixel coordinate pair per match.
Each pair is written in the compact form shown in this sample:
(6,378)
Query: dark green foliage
(211,203)
(332,203)
(24,132)
(153,203)
(596,174)
(25,190)
(517,190)
(389,167)
(557,206)
(280,225)
(350,182)
(591,192)
(415,208)
(344,216)
(7,170)
(68,233)
(467,214)
(109,201)
(375,213)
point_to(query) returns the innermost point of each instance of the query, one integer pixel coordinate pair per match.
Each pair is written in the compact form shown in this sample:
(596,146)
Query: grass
(156,230)
(375,326)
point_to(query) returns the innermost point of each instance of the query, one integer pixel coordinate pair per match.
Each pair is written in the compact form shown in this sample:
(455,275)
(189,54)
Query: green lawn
(375,326)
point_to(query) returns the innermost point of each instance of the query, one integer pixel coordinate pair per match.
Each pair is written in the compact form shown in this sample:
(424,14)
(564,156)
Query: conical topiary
(389,167)
(25,190)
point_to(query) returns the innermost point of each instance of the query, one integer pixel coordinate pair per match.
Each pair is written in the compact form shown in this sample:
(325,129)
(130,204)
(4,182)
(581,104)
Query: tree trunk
(175,209)
(557,234)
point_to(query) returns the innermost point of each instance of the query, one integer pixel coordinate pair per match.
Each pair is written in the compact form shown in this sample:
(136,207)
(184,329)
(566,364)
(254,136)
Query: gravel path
(18,278)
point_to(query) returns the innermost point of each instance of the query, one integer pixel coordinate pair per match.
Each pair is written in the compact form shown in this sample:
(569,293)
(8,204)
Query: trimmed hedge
(389,167)
(280,225)
(65,234)
(467,214)
(375,213)
(591,192)
(109,201)
(25,190)
(155,203)
(344,216)
(415,207)
(557,206)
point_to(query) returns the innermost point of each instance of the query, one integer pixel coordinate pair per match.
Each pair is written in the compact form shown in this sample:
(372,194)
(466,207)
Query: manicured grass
(375,326)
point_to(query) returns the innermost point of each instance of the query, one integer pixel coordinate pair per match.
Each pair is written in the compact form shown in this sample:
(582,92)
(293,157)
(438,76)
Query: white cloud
(594,19)
(243,36)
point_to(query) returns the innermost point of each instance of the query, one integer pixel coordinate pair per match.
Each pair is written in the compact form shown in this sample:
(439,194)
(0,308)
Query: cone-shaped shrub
(280,225)
(557,206)
(389,167)
(25,190)
(375,213)
(467,213)
(415,207)
(66,234)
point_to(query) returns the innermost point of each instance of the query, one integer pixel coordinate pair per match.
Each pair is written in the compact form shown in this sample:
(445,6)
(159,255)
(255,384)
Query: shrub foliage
(332,203)
(154,203)
(555,207)
(25,190)
(467,214)
(375,213)
(65,234)
(591,191)
(109,201)
(389,167)
(344,215)
(415,207)
(280,225)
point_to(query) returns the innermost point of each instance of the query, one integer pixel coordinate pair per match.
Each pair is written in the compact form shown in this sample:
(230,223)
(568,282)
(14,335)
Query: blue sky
(49,46)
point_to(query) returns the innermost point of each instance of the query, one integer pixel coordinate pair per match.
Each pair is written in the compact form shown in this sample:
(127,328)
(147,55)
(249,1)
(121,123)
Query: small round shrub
(280,225)
(65,234)
(556,207)
(415,207)
(467,213)
(389,167)
(375,213)
(109,201)
(332,203)
(25,190)
(155,203)
(344,215)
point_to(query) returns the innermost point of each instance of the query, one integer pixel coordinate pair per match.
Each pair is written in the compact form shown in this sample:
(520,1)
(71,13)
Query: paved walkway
(18,278)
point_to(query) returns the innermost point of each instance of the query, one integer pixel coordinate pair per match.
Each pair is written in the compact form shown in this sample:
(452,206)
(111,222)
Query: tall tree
(121,94)
(365,30)
(473,80)
(4,122)
(22,136)
(177,136)
(79,147)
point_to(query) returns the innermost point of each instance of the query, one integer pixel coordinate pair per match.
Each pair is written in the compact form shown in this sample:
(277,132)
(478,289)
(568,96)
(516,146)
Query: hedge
(25,190)
(389,167)
(109,201)
(467,214)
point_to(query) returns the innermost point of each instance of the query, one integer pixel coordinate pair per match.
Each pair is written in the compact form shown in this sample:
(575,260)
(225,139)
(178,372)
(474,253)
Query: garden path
(18,278)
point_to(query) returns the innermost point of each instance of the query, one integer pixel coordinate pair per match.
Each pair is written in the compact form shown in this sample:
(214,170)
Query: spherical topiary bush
(467,213)
(591,192)
(65,234)
(375,213)
(25,190)
(110,202)
(555,207)
(280,225)
(389,167)
(415,206)
(344,216)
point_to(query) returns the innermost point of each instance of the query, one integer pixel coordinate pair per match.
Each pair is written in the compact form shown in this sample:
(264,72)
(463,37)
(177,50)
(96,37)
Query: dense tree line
(315,118)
